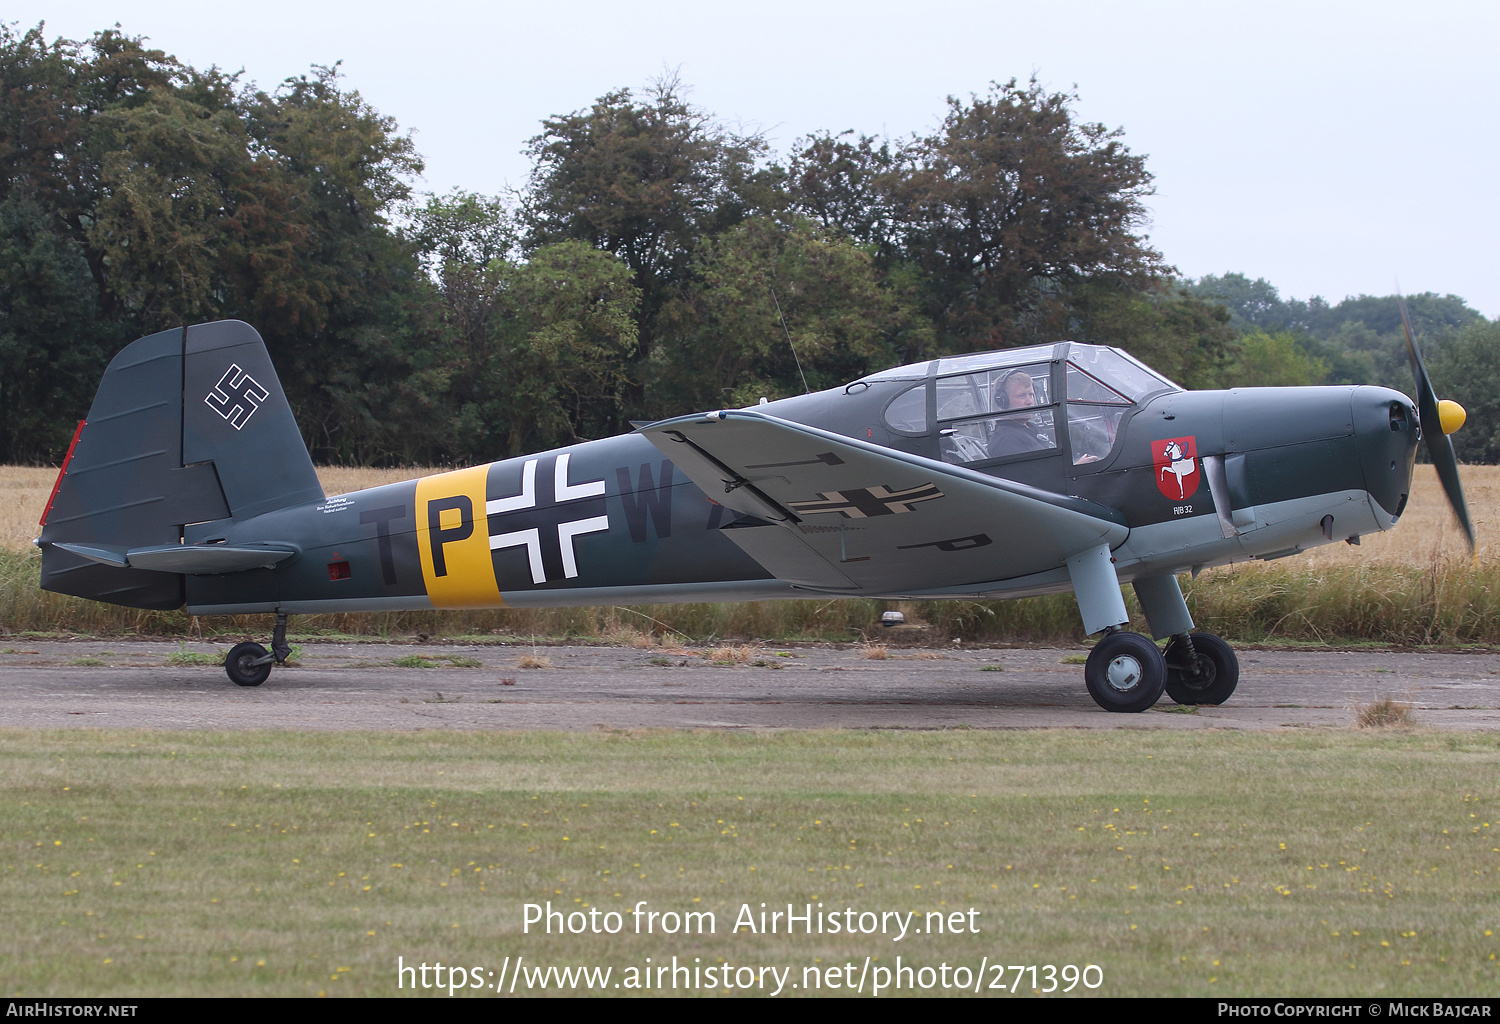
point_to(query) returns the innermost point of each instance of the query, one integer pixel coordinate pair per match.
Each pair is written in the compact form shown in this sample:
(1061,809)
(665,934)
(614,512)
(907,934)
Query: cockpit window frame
(1132,390)
(1000,359)
(985,392)
(1053,356)
(910,371)
(1061,356)
(1006,358)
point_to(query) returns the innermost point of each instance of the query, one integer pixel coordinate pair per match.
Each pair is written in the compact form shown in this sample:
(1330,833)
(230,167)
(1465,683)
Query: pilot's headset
(1002,387)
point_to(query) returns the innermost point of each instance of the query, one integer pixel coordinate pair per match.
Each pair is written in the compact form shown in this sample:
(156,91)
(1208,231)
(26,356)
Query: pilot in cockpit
(1015,390)
(1014,434)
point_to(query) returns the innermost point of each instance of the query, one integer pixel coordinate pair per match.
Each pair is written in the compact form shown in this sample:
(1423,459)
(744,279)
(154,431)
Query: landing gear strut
(1201,669)
(1125,672)
(249,664)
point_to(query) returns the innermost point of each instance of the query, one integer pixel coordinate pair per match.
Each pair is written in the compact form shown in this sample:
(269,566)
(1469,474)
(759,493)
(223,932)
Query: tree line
(655,263)
(1360,340)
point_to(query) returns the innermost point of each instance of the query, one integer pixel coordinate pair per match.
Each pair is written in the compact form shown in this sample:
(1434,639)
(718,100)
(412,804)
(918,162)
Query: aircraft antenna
(805,389)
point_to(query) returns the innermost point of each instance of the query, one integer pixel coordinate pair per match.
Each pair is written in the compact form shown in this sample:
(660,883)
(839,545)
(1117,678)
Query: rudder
(236,416)
(188,426)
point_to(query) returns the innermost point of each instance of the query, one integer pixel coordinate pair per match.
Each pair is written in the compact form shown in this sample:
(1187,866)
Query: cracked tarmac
(133,684)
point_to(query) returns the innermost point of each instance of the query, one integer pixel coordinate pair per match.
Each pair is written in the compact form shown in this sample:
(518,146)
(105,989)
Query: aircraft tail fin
(188,426)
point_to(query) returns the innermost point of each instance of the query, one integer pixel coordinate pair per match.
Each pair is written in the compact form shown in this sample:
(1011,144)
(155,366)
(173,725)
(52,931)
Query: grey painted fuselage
(617,521)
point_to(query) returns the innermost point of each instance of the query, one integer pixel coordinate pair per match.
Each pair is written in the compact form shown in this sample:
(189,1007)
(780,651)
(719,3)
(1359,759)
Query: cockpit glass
(908,411)
(992,360)
(1110,368)
(1083,388)
(1115,370)
(990,391)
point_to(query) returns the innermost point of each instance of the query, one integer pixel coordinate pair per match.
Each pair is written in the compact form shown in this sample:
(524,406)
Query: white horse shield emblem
(1176,461)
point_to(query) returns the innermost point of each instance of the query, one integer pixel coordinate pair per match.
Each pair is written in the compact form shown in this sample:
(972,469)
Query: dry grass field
(24,491)
(1427,534)
(1414,585)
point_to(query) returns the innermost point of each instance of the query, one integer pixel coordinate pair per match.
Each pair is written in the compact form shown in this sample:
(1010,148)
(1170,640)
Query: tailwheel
(1125,672)
(248,664)
(1201,669)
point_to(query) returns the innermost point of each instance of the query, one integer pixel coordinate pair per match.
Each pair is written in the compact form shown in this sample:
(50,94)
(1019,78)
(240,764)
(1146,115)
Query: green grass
(436,661)
(183,656)
(1203,864)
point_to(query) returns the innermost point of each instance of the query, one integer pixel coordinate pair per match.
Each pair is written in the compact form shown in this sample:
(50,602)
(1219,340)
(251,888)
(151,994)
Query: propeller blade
(1439,445)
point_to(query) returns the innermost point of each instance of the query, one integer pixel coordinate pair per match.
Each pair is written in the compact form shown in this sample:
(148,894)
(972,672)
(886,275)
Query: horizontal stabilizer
(192,559)
(201,559)
(97,555)
(845,514)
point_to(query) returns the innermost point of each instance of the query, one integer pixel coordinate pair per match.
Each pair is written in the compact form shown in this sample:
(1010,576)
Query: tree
(844,184)
(1185,338)
(1255,305)
(53,347)
(1431,315)
(173,168)
(1274,360)
(53,95)
(562,365)
(1013,207)
(1360,338)
(519,355)
(462,229)
(41,117)
(1004,228)
(190,197)
(648,181)
(1467,370)
(57,327)
(757,283)
(340,170)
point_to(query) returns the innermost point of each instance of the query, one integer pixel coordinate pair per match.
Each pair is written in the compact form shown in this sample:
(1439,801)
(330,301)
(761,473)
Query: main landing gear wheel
(1125,672)
(248,664)
(1204,671)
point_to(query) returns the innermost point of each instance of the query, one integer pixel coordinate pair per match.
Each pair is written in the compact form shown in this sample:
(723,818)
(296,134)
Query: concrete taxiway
(136,684)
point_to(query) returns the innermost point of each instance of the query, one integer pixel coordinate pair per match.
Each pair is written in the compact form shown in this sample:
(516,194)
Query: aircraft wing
(836,513)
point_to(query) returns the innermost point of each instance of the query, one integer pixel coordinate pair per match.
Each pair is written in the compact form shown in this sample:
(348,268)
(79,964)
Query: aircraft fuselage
(615,521)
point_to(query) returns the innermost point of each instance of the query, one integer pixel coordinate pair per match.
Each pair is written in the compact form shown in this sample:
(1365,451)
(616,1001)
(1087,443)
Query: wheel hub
(1123,673)
(1201,675)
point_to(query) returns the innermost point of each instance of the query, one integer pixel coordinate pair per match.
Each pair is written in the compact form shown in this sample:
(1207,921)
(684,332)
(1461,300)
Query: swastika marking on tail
(236,396)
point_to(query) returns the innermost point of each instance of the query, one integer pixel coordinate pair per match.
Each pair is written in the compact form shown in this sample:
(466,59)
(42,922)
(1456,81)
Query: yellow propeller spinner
(1451,415)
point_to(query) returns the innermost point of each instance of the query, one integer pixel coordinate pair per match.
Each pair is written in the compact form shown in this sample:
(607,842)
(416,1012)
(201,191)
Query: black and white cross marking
(236,396)
(524,521)
(865,502)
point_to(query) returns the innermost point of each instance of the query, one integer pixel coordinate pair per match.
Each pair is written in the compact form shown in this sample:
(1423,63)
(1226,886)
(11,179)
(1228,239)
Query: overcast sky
(1332,148)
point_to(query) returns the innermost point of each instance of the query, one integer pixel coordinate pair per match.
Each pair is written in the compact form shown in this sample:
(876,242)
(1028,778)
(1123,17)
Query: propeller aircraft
(1064,467)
